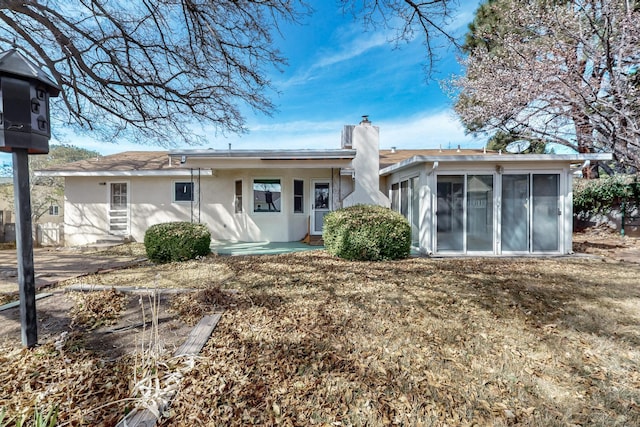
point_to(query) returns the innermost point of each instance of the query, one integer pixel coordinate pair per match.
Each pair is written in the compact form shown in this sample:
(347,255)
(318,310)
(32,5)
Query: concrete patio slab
(221,247)
(53,265)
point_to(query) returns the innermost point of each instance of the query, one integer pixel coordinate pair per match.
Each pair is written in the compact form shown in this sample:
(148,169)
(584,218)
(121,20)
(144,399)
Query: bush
(176,241)
(367,233)
(599,196)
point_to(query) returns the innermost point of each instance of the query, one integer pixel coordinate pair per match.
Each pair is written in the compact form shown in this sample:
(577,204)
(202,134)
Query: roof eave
(336,154)
(502,158)
(175,172)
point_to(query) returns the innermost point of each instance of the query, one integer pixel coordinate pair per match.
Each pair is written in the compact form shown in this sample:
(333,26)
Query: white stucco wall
(151,202)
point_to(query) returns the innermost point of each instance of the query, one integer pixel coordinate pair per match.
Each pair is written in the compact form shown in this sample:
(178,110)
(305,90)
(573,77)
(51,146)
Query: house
(457,201)
(46,208)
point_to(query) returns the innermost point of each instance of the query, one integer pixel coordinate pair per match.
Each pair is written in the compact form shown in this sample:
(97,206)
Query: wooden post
(24,246)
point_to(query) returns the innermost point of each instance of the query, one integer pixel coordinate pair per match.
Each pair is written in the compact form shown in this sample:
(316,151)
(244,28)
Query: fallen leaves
(95,309)
(309,339)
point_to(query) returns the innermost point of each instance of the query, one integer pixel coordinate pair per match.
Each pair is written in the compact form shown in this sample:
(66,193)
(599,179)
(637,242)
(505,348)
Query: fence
(47,234)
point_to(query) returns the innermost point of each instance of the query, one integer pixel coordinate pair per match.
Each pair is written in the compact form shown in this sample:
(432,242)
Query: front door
(320,205)
(119,208)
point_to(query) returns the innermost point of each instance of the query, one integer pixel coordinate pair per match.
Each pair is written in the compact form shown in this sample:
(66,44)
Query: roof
(153,163)
(479,156)
(393,156)
(268,154)
(126,163)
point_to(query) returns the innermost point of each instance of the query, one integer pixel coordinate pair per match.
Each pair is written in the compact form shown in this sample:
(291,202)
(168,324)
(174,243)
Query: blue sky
(338,72)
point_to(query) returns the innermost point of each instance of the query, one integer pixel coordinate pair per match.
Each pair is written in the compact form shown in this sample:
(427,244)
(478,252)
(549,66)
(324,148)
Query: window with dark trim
(183,191)
(298,196)
(54,210)
(267,195)
(238,196)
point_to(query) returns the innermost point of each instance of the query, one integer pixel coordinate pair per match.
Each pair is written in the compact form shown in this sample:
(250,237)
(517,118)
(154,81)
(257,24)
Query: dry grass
(316,340)
(313,340)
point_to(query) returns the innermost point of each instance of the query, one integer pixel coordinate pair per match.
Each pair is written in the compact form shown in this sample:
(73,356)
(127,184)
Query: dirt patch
(607,243)
(128,331)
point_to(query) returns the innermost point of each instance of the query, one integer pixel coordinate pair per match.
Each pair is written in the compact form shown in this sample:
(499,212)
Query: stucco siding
(85,210)
(151,202)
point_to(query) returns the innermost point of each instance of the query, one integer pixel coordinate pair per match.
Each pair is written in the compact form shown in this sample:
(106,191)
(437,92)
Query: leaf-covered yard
(309,339)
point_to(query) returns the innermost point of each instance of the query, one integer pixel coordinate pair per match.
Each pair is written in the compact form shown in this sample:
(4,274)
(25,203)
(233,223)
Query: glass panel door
(321,205)
(118,208)
(546,213)
(480,213)
(450,213)
(515,213)
(415,211)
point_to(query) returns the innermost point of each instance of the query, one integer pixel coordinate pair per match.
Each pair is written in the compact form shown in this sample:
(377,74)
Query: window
(267,195)
(298,196)
(405,199)
(395,197)
(238,197)
(119,196)
(54,210)
(183,192)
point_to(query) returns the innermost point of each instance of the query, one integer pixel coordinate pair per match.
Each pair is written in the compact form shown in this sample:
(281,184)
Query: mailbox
(24,104)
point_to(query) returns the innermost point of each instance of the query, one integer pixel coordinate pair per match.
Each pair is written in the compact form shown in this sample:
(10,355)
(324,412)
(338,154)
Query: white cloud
(430,129)
(433,129)
(353,48)
(352,45)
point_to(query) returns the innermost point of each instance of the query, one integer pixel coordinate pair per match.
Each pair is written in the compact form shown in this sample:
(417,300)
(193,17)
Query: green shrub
(367,233)
(176,241)
(599,196)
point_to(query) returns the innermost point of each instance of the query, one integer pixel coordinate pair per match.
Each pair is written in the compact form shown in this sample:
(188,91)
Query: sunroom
(477,203)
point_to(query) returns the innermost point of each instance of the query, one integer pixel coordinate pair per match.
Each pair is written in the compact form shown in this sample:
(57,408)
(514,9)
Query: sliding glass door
(515,213)
(470,217)
(450,213)
(480,213)
(530,213)
(546,213)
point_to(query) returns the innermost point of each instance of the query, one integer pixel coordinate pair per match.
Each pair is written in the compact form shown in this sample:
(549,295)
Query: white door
(320,205)
(119,208)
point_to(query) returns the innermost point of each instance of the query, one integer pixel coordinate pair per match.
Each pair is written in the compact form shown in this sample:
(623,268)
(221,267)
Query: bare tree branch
(152,70)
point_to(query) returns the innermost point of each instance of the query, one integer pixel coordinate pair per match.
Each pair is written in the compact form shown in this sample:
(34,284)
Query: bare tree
(560,71)
(151,70)
(409,19)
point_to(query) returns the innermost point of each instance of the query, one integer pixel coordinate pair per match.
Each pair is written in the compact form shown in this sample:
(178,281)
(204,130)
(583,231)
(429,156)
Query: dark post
(24,246)
(24,130)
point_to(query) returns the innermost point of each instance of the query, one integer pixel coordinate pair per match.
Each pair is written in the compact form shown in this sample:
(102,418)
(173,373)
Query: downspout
(433,168)
(191,169)
(199,193)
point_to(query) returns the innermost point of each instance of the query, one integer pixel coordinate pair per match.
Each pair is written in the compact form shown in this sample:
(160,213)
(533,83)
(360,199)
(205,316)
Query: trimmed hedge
(367,233)
(176,241)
